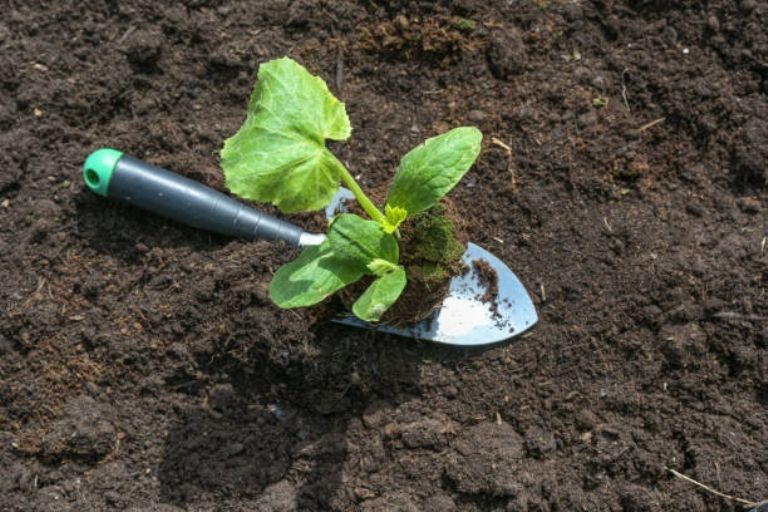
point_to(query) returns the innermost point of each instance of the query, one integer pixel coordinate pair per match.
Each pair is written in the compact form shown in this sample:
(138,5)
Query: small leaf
(382,293)
(312,277)
(430,170)
(394,217)
(379,267)
(360,241)
(278,155)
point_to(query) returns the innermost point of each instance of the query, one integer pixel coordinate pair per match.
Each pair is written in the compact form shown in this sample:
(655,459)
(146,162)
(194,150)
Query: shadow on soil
(274,426)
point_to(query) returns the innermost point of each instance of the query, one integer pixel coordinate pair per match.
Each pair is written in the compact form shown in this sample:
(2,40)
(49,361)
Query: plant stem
(366,203)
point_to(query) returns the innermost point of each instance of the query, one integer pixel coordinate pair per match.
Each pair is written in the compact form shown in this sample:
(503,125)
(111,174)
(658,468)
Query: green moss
(433,251)
(463,24)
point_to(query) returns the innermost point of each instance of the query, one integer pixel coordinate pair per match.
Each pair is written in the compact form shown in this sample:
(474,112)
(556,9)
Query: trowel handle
(110,173)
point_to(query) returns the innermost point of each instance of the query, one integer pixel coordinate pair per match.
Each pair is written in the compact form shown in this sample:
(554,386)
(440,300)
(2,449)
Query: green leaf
(360,241)
(394,217)
(379,267)
(278,155)
(312,277)
(382,293)
(430,170)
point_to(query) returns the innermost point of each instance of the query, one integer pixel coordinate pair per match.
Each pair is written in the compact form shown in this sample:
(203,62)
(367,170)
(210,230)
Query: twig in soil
(500,143)
(688,479)
(510,167)
(651,124)
(127,33)
(733,315)
(624,73)
(607,225)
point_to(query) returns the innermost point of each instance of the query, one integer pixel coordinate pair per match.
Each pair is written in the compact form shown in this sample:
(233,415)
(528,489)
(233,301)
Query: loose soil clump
(488,280)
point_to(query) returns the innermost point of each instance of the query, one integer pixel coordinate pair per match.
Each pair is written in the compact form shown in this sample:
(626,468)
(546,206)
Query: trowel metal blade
(464,319)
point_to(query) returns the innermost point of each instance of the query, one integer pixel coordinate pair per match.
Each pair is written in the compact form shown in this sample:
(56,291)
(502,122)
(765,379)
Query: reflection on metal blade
(337,203)
(464,319)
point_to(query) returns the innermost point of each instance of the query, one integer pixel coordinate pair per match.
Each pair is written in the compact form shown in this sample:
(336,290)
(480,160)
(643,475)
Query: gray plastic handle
(186,201)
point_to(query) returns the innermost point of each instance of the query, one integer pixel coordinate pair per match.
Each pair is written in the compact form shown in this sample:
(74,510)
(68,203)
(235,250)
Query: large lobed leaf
(278,155)
(429,171)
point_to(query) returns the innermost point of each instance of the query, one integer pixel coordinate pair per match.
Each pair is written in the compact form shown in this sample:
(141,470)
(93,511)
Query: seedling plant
(279,156)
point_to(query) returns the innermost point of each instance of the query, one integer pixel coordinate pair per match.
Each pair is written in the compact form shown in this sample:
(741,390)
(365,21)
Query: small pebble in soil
(507,54)
(476,116)
(749,205)
(599,82)
(586,420)
(695,209)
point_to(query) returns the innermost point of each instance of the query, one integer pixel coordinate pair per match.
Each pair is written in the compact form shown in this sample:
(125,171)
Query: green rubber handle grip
(111,173)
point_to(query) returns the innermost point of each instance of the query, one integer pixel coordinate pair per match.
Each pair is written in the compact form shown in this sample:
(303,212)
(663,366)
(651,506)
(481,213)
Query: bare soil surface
(623,178)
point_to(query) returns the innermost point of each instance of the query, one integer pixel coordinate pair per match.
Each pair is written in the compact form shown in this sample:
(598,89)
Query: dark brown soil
(623,178)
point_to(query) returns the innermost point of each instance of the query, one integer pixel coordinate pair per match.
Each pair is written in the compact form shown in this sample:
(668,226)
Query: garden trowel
(465,318)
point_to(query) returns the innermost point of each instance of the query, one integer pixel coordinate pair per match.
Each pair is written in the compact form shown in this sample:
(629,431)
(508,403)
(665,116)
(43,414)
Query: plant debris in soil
(488,279)
(143,367)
